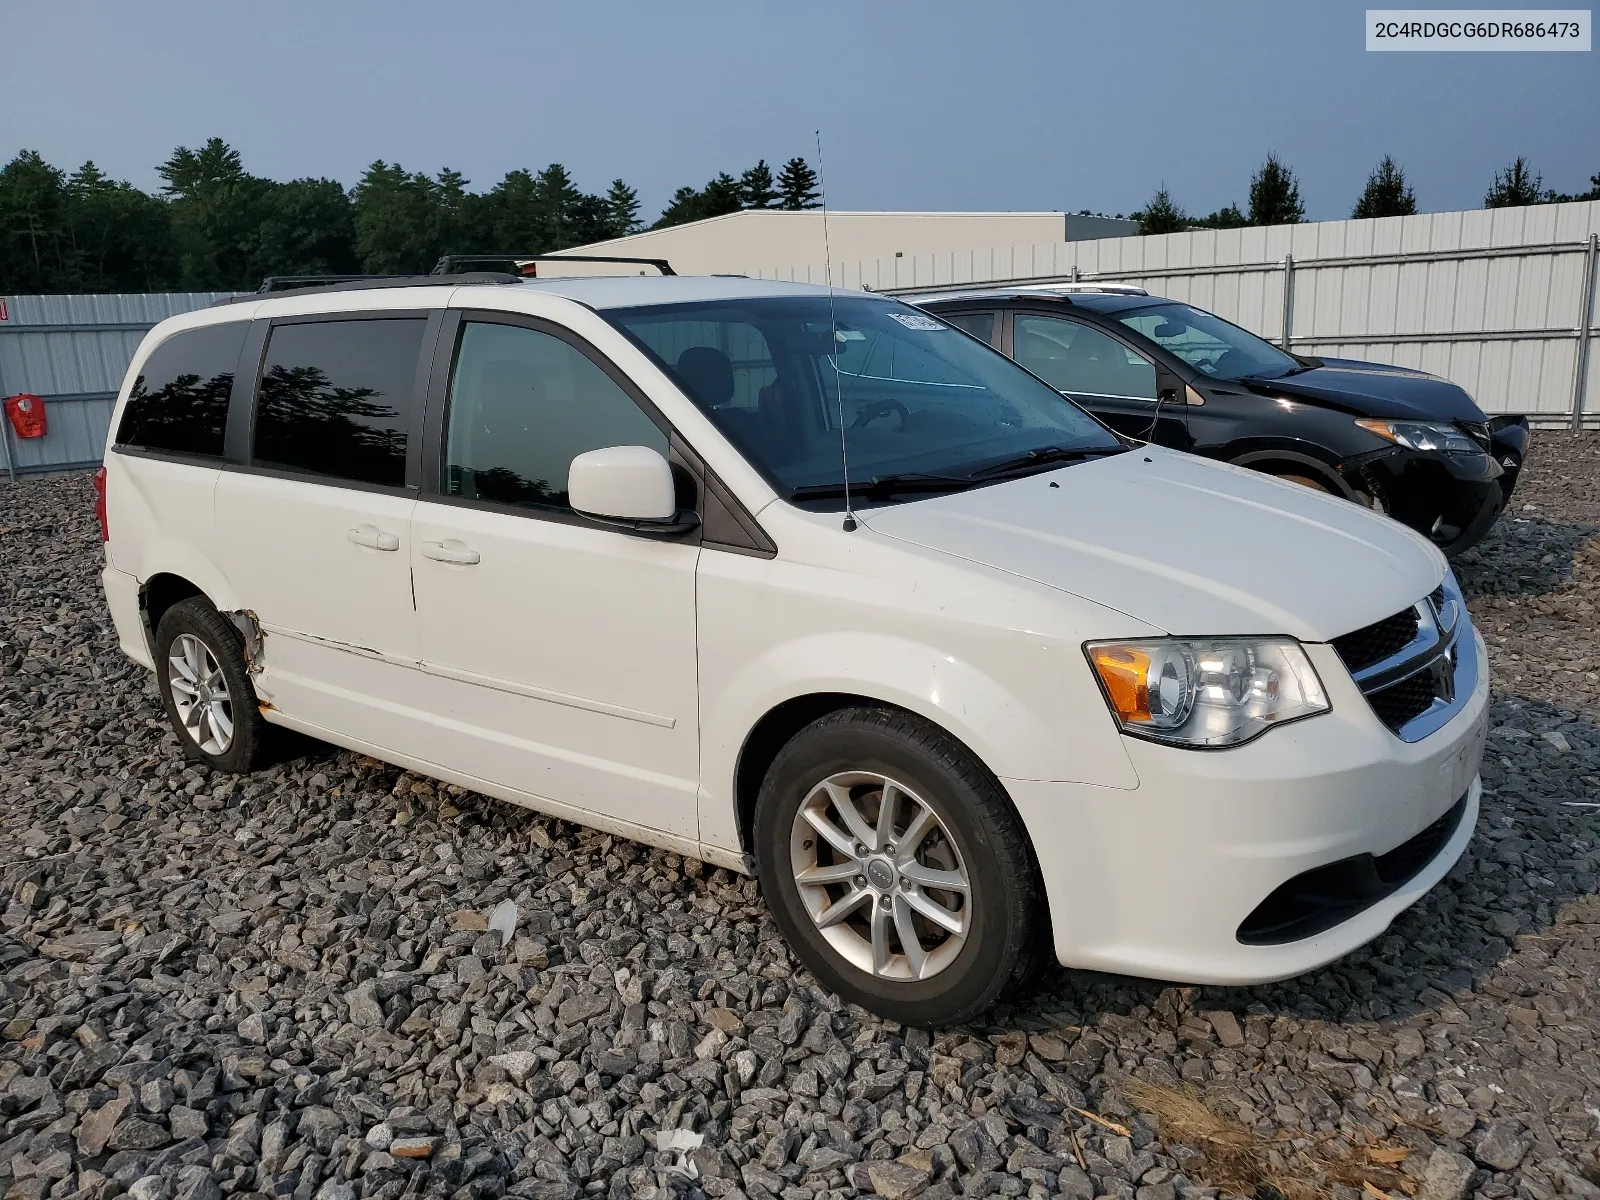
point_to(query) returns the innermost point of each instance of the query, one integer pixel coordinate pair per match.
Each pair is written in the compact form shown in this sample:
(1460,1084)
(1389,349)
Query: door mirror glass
(628,484)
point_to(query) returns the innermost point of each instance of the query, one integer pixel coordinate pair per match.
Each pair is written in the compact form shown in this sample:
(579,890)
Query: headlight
(1211,693)
(1418,435)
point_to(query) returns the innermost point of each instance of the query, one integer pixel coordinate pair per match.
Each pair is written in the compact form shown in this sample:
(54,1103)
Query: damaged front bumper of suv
(1452,497)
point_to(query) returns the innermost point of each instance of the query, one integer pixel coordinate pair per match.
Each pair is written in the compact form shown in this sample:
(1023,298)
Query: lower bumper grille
(1317,900)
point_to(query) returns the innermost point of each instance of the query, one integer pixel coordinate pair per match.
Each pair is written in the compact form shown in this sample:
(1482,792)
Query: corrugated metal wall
(73,351)
(1488,298)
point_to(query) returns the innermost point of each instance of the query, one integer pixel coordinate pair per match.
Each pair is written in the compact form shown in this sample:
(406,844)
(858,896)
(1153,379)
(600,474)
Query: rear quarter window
(335,398)
(179,402)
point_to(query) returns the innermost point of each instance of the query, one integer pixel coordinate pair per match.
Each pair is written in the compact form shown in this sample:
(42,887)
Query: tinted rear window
(336,398)
(179,402)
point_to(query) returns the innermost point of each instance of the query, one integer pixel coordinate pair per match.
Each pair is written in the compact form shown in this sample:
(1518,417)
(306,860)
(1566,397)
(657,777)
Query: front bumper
(1451,499)
(1158,881)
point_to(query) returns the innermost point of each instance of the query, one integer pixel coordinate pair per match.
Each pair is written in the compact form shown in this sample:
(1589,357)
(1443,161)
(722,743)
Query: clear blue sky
(923,104)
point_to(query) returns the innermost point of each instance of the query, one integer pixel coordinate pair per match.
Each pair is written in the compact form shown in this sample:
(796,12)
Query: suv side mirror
(630,486)
(1172,390)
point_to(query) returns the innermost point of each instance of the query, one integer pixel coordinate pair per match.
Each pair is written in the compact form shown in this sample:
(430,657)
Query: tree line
(213,226)
(1274,198)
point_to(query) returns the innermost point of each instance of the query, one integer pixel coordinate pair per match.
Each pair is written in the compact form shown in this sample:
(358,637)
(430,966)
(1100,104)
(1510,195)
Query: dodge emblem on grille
(1444,676)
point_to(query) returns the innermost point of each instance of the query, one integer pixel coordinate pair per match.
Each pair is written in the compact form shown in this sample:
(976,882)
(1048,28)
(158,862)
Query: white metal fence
(1501,301)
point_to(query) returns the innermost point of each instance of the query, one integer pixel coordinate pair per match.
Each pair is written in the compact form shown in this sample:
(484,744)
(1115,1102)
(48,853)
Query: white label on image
(1539,29)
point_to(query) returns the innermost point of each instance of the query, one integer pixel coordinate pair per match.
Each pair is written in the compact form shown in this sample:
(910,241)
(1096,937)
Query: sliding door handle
(451,551)
(374,538)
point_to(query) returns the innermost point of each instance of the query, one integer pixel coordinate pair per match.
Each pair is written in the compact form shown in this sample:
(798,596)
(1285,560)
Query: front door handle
(451,551)
(374,538)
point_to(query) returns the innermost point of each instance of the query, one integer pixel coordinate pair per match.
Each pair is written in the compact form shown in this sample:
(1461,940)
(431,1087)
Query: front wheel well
(769,736)
(1283,464)
(773,731)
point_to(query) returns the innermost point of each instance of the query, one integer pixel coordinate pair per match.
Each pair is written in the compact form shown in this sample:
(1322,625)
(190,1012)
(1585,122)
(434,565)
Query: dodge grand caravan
(1006,683)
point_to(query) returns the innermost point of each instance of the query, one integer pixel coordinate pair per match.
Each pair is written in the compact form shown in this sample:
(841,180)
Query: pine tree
(756,189)
(722,195)
(622,204)
(396,220)
(1518,184)
(797,185)
(121,238)
(1161,215)
(217,210)
(1387,193)
(684,206)
(556,201)
(1275,195)
(34,249)
(1226,217)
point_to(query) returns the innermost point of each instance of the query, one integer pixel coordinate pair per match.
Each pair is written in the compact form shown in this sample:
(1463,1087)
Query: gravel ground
(333,979)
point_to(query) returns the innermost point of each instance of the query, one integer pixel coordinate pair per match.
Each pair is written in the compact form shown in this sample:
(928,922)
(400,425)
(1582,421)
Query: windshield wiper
(883,486)
(1042,455)
(1263,377)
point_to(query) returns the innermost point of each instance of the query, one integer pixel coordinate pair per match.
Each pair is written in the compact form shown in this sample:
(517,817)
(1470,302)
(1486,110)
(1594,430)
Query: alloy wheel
(880,876)
(200,694)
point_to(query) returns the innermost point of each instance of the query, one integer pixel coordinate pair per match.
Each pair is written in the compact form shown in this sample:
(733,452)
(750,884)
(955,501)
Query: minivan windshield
(924,406)
(1208,343)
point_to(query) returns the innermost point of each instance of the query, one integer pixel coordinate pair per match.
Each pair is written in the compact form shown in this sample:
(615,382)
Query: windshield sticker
(915,321)
(849,335)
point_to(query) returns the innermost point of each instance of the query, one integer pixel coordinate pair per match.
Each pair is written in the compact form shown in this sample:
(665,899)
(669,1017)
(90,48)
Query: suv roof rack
(1062,291)
(526,265)
(311,284)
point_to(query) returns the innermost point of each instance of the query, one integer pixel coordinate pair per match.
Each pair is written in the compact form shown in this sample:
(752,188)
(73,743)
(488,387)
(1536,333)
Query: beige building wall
(756,241)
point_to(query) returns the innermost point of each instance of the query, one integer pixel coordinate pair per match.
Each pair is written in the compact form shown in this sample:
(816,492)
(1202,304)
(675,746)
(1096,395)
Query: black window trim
(240,442)
(690,467)
(210,462)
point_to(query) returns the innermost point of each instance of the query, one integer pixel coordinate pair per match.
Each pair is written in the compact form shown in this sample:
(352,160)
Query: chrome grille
(1417,667)
(1376,642)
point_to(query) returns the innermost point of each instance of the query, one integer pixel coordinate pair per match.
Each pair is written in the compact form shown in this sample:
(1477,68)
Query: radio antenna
(833,339)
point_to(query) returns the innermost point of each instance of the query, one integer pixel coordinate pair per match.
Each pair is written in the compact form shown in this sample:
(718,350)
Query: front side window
(1078,358)
(913,396)
(179,402)
(336,398)
(523,405)
(1208,343)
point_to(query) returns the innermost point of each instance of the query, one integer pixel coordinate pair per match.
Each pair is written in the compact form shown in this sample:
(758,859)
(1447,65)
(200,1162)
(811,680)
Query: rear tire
(925,914)
(206,690)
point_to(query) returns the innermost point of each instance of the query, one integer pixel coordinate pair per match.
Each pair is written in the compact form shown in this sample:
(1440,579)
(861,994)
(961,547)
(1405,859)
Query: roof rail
(304,285)
(283,283)
(526,265)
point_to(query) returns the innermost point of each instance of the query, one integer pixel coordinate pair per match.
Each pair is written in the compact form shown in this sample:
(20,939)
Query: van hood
(1189,546)
(1375,390)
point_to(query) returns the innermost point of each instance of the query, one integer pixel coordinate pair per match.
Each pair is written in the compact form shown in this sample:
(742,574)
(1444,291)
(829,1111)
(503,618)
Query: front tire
(896,868)
(206,690)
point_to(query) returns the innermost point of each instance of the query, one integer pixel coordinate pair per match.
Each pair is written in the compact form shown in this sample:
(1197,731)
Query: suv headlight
(1421,435)
(1206,693)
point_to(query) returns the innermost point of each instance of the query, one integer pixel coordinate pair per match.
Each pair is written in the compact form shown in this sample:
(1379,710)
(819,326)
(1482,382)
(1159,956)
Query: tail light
(100,504)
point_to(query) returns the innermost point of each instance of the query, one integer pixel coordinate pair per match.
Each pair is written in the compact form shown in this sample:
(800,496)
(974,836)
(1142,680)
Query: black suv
(1404,442)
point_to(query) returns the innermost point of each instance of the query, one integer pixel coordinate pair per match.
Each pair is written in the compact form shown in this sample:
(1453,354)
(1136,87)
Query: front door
(560,653)
(1110,379)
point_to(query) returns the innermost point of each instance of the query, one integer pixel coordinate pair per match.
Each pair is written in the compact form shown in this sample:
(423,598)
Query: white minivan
(810,585)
